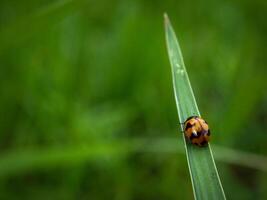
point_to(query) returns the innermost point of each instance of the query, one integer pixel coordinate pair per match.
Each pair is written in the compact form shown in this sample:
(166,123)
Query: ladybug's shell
(197,130)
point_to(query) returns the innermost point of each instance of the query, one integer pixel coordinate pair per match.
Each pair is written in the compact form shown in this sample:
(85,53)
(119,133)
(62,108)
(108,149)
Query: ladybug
(197,130)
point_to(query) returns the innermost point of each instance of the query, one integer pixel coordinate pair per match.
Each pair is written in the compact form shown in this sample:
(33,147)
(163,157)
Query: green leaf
(205,179)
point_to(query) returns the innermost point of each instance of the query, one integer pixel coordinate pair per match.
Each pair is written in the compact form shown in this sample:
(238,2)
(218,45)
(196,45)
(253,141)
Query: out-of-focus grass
(31,160)
(61,62)
(36,21)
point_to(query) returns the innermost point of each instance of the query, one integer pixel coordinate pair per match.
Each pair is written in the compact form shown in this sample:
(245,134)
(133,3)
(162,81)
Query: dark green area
(80,79)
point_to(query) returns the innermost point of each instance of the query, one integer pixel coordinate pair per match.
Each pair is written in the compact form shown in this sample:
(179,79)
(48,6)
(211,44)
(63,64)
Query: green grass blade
(205,179)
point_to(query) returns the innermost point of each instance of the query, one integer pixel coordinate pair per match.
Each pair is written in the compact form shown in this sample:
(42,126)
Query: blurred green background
(87,104)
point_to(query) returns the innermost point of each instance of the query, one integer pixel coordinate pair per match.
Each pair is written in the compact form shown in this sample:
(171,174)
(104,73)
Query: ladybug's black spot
(198,134)
(188,125)
(191,118)
(192,137)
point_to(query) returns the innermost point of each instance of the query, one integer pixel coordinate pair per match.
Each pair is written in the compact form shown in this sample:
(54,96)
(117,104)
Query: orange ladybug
(197,130)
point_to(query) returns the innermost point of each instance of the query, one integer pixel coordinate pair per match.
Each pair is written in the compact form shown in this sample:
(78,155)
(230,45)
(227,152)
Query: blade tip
(166,18)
